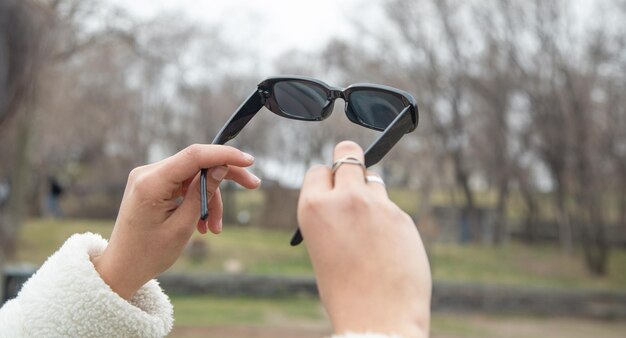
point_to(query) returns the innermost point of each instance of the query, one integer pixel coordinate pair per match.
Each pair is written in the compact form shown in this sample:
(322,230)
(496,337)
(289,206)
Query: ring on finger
(348,160)
(374,179)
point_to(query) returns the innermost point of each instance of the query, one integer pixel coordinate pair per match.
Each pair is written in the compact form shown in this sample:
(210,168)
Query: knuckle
(224,149)
(406,217)
(218,199)
(135,173)
(396,214)
(229,148)
(309,208)
(354,200)
(141,183)
(317,170)
(231,153)
(193,150)
(308,202)
(309,205)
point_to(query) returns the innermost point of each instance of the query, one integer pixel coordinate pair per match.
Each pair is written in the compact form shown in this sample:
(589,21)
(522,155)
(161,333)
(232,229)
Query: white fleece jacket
(67,298)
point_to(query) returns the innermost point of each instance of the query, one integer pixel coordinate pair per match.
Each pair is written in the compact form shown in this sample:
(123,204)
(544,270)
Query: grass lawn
(261,251)
(209,310)
(304,317)
(268,252)
(518,264)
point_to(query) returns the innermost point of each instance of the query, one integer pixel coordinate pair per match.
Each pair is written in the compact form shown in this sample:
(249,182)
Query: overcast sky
(279,24)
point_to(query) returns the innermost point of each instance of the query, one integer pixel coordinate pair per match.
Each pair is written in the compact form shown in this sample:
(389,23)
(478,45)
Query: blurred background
(515,176)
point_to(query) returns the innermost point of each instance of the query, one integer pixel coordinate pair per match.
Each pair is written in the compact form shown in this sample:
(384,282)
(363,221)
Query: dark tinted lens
(373,108)
(300,99)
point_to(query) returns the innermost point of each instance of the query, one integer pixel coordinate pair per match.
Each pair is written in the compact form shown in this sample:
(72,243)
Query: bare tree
(495,86)
(507,87)
(21,25)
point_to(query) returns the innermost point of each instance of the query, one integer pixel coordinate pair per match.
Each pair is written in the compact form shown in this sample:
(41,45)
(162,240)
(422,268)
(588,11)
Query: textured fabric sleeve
(67,298)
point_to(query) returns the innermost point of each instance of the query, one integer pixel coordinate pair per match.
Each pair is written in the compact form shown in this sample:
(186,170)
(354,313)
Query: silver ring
(348,160)
(374,179)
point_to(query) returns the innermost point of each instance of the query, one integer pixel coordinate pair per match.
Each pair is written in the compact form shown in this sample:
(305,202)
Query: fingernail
(256,179)
(219,226)
(219,173)
(248,157)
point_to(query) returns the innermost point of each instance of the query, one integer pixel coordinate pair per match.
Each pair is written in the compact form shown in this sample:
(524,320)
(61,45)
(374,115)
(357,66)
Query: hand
(154,225)
(370,263)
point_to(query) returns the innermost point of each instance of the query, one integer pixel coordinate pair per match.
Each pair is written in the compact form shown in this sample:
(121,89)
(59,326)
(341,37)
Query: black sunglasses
(373,106)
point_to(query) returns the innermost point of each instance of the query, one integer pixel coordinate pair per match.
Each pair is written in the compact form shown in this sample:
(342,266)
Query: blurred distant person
(55,191)
(369,261)
(5,190)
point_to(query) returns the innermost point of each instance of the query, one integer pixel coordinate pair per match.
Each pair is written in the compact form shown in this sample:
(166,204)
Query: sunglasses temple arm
(402,124)
(392,134)
(240,118)
(235,124)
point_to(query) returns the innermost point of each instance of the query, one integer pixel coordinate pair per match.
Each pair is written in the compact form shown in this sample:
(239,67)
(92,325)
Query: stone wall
(450,297)
(453,297)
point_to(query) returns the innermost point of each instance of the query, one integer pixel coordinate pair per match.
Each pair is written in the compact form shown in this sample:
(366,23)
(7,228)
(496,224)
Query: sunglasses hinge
(264,93)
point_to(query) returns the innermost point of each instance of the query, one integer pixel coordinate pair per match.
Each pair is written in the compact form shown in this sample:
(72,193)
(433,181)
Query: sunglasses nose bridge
(328,108)
(336,94)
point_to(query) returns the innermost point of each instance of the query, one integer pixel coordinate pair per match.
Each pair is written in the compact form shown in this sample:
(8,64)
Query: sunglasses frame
(266,89)
(405,122)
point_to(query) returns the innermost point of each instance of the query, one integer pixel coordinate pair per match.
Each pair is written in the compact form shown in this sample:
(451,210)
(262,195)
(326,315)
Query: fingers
(189,209)
(216,212)
(348,174)
(376,187)
(242,176)
(202,226)
(318,182)
(319,179)
(190,160)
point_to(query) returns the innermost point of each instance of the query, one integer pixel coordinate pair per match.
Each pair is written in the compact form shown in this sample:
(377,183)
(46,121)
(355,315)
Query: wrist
(406,330)
(111,276)
(395,319)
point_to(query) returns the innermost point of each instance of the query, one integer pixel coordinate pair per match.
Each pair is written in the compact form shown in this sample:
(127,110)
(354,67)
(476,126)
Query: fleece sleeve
(67,298)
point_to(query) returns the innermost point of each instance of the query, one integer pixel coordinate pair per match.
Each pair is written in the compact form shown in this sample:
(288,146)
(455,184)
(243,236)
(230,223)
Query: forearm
(406,314)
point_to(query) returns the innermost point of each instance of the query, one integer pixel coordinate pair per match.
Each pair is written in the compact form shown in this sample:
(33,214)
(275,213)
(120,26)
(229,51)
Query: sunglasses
(373,106)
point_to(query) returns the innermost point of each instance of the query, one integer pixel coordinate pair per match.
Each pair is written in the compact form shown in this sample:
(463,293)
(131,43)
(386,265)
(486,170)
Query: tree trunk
(622,204)
(566,237)
(596,250)
(500,222)
(468,214)
(19,184)
(530,223)
(593,239)
(592,228)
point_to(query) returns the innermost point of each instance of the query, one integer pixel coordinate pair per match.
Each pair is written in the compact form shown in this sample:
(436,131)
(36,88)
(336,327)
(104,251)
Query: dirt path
(249,332)
(474,326)
(444,326)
